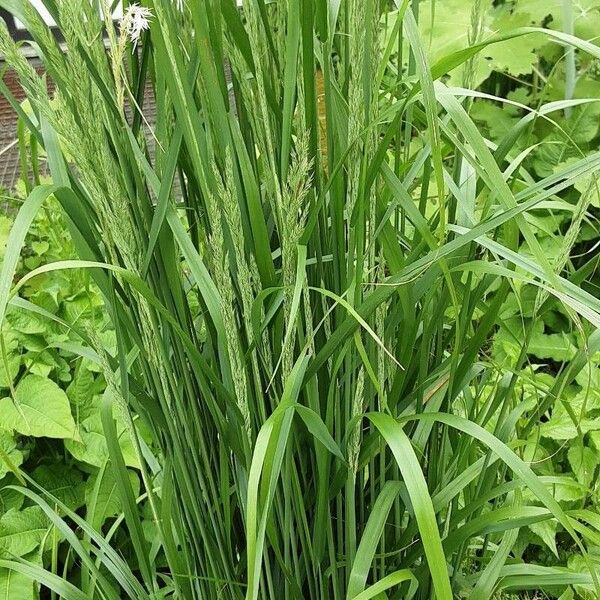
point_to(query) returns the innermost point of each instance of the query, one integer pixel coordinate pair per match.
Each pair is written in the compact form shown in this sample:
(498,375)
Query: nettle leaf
(588,184)
(589,379)
(561,427)
(546,531)
(22,531)
(516,56)
(84,390)
(13,362)
(10,450)
(585,15)
(62,481)
(594,437)
(16,585)
(567,490)
(583,463)
(559,149)
(92,448)
(578,564)
(40,247)
(498,120)
(555,346)
(102,497)
(13,358)
(547,224)
(40,409)
(27,322)
(584,123)
(10,498)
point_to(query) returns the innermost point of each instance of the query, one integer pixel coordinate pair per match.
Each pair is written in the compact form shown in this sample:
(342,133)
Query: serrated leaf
(585,15)
(62,481)
(516,56)
(584,123)
(498,120)
(22,531)
(40,247)
(595,439)
(561,427)
(15,585)
(83,391)
(9,448)
(13,358)
(7,377)
(40,409)
(91,448)
(546,531)
(583,463)
(10,498)
(577,563)
(567,490)
(106,502)
(27,322)
(555,346)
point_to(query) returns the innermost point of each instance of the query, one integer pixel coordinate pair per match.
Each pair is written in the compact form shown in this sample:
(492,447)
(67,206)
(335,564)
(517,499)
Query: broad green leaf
(585,14)
(102,496)
(9,452)
(15,585)
(557,346)
(499,120)
(11,361)
(9,497)
(22,531)
(40,409)
(546,531)
(16,238)
(584,591)
(65,482)
(50,580)
(561,427)
(583,462)
(84,391)
(91,447)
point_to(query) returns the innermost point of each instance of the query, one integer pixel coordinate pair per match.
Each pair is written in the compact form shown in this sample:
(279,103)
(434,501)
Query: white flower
(135,21)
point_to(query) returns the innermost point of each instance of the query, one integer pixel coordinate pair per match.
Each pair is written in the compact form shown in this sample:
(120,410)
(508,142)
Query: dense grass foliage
(322,286)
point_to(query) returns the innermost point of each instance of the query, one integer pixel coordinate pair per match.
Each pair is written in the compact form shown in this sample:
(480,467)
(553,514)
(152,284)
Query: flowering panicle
(135,21)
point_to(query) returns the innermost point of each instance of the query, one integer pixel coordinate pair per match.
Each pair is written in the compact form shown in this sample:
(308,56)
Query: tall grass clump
(304,262)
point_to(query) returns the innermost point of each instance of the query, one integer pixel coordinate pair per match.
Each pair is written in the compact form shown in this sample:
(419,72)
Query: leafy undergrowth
(353,353)
(52,389)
